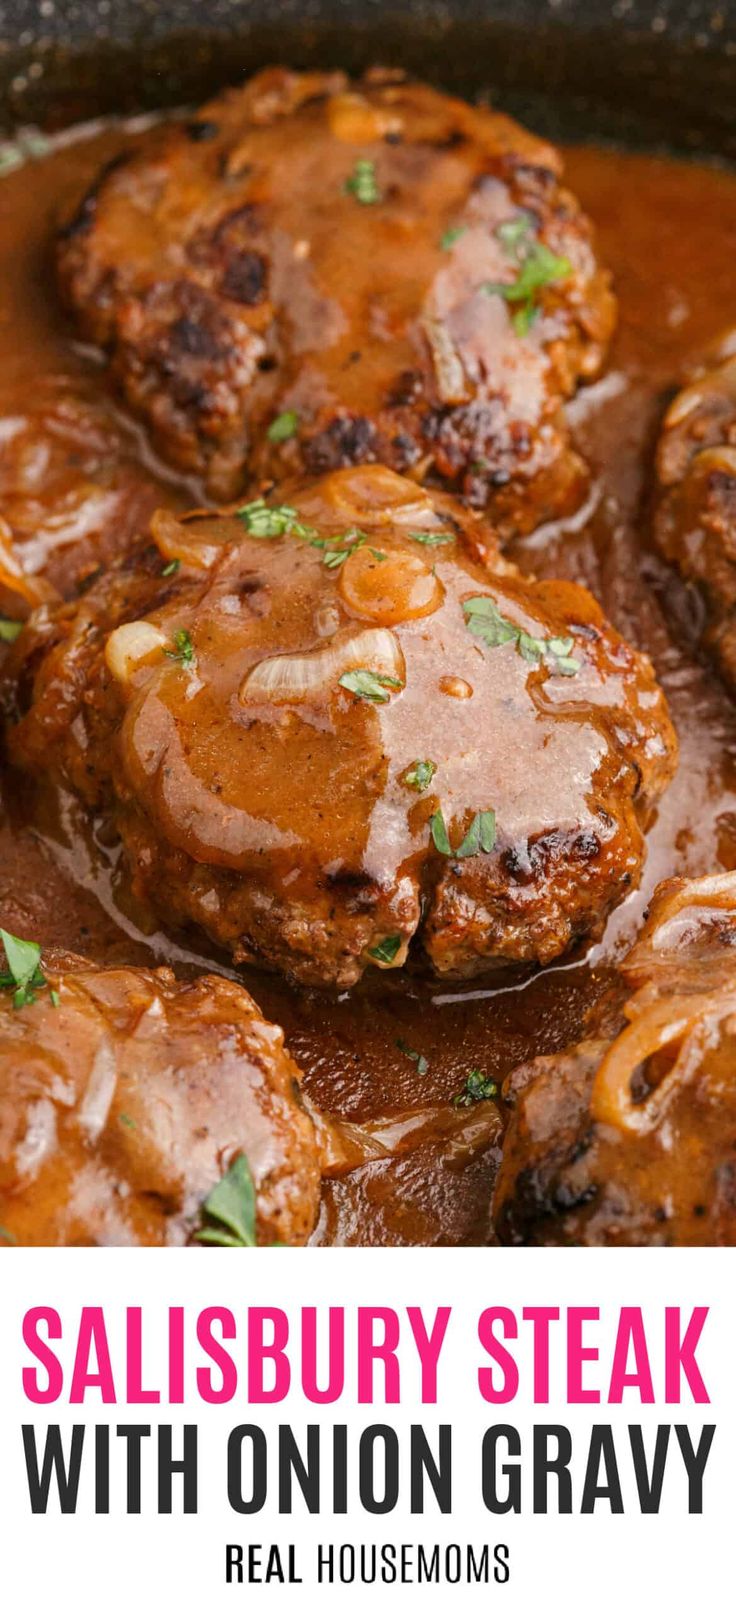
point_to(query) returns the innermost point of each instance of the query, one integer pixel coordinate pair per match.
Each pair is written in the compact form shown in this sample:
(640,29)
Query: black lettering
(501,1570)
(102,1470)
(510,1499)
(366,1448)
(695,1461)
(440,1473)
(255,1436)
(649,1488)
(233,1563)
(186,1467)
(67,1479)
(133,1436)
(546,1465)
(602,1451)
(291,1464)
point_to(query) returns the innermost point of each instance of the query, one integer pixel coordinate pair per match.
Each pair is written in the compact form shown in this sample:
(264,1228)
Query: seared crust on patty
(695,519)
(323,727)
(243,265)
(630,1140)
(125,1096)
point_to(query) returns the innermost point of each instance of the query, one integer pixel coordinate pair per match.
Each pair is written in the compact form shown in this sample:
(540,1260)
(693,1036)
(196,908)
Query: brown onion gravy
(77,478)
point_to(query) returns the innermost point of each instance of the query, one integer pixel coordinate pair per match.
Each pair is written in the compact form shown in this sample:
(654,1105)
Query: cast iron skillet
(640,72)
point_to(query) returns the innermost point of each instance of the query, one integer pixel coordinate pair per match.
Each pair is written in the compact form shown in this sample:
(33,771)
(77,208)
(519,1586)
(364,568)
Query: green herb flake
(374,686)
(171,569)
(432,539)
(7,1236)
(477,1088)
(336,553)
(479,839)
(10,158)
(30,144)
(484,619)
(363,184)
(387,949)
(447,241)
(440,837)
(273,520)
(54,998)
(183,650)
(420,775)
(513,233)
(284,426)
(416,1057)
(129,1123)
(537,267)
(231,1209)
(481,835)
(25,975)
(10,630)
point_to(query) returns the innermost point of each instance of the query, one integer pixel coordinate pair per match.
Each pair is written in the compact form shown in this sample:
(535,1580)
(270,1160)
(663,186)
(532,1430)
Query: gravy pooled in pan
(632,1140)
(407,1062)
(316,737)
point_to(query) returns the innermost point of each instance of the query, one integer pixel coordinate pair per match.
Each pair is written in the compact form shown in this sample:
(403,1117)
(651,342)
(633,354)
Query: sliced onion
(719,382)
(294,678)
(129,645)
(684,1019)
(95,1105)
(714,461)
(191,541)
(683,933)
(354,121)
(369,495)
(12,576)
(39,1139)
(452,383)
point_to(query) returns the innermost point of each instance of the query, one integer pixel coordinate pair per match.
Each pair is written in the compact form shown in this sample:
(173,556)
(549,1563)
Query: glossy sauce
(669,233)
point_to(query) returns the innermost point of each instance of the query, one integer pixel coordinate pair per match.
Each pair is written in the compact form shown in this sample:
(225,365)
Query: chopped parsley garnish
(336,553)
(10,630)
(54,998)
(513,233)
(416,1057)
(537,267)
(275,520)
(386,950)
(477,1088)
(284,426)
(447,241)
(229,1213)
(129,1123)
(7,1236)
(25,975)
(480,837)
(420,775)
(183,649)
(371,685)
(171,569)
(484,619)
(280,520)
(362,183)
(432,539)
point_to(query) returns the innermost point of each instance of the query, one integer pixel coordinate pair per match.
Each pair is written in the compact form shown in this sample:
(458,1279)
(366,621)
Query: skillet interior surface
(662,77)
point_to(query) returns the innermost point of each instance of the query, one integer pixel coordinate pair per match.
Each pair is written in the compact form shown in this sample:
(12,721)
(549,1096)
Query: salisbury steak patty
(374,272)
(125,1097)
(632,1140)
(695,522)
(322,727)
